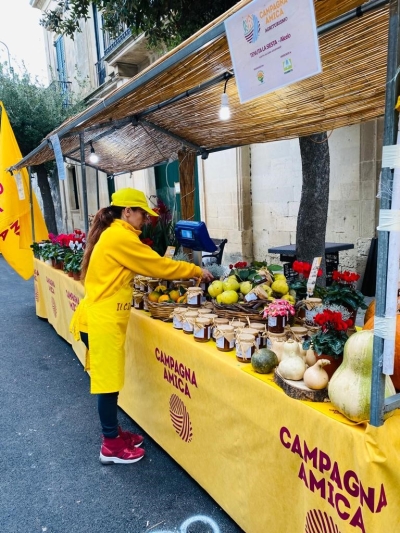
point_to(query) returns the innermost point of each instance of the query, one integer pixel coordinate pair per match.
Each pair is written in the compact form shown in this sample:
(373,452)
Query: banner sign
(55,141)
(272,44)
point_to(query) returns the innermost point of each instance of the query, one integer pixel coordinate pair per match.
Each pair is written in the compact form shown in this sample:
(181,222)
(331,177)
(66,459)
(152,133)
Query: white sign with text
(272,44)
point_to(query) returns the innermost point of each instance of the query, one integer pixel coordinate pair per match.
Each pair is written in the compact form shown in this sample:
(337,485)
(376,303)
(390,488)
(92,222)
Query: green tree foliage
(34,111)
(168,21)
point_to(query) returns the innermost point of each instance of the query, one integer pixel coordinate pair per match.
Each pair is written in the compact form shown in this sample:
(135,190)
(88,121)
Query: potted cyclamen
(278,313)
(328,342)
(343,292)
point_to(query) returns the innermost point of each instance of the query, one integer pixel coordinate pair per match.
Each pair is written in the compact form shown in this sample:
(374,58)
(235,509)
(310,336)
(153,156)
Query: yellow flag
(15,209)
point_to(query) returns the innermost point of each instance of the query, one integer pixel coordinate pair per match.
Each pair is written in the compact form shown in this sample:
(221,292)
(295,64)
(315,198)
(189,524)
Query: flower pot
(59,265)
(70,274)
(76,275)
(335,362)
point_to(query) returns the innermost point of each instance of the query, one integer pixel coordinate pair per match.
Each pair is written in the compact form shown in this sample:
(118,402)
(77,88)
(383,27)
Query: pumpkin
(350,386)
(370,312)
(396,375)
(264,360)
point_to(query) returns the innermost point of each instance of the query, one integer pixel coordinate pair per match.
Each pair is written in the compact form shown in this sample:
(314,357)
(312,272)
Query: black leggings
(107,405)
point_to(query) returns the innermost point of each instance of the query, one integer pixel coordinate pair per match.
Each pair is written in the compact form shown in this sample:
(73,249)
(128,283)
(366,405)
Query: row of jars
(228,335)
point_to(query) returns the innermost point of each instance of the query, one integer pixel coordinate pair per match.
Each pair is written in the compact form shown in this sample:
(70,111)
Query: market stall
(264,457)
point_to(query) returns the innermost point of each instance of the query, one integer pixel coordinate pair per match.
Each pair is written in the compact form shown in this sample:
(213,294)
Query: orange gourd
(369,312)
(396,376)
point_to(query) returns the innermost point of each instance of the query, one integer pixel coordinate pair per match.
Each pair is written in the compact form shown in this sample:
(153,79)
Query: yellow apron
(107,323)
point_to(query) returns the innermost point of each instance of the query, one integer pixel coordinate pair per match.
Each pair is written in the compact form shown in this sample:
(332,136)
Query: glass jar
(193,296)
(275,342)
(188,321)
(245,347)
(202,329)
(276,324)
(262,333)
(138,300)
(178,317)
(218,322)
(224,336)
(254,332)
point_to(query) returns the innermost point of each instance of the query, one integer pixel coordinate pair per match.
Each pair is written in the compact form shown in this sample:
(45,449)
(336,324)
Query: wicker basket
(253,310)
(163,311)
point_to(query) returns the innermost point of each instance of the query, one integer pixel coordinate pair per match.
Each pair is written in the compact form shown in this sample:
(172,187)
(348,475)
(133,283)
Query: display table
(276,465)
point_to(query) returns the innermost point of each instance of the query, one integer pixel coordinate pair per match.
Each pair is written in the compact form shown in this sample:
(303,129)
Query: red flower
(345,277)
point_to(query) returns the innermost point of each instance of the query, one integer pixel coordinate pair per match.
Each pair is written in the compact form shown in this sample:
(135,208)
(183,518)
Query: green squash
(350,386)
(264,360)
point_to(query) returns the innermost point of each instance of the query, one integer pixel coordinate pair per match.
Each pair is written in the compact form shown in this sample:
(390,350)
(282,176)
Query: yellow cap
(131,198)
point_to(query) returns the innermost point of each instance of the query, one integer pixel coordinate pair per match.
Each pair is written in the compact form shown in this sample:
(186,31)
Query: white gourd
(315,377)
(290,347)
(277,347)
(310,357)
(350,386)
(292,367)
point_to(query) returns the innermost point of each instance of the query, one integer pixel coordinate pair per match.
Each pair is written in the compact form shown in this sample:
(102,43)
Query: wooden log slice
(299,391)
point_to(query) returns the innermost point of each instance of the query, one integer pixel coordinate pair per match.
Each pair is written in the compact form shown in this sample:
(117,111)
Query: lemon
(245,287)
(215,288)
(289,298)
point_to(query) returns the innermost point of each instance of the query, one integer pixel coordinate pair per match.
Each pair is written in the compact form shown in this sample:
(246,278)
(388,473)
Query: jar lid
(222,321)
(211,316)
(203,320)
(299,330)
(180,310)
(225,328)
(203,311)
(250,331)
(245,337)
(237,323)
(257,325)
(191,313)
(277,335)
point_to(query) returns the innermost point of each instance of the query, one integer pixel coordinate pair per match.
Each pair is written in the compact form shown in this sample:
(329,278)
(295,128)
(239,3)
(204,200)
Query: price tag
(312,278)
(169,252)
(20,186)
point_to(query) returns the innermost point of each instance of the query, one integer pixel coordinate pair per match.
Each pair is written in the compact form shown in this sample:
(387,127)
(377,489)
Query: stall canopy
(174,103)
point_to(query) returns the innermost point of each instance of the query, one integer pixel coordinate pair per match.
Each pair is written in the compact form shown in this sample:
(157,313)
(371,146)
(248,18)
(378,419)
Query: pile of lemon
(161,294)
(231,291)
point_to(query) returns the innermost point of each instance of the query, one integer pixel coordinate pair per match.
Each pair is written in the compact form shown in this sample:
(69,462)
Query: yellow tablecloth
(275,464)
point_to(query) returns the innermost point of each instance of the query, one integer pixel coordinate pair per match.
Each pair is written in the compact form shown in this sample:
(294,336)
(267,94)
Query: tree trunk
(187,162)
(313,210)
(48,205)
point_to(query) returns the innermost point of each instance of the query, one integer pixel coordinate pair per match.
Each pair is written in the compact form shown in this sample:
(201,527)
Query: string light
(93,157)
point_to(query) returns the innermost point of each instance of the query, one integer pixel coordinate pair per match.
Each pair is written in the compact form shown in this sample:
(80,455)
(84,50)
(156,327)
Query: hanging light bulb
(224,111)
(93,157)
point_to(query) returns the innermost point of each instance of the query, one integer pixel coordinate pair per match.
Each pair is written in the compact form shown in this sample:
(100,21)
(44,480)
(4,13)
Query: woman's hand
(206,275)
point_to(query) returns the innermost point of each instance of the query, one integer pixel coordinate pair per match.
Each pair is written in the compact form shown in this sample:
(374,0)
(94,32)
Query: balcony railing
(111,44)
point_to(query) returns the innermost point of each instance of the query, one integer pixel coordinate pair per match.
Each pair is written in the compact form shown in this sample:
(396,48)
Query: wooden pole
(187,161)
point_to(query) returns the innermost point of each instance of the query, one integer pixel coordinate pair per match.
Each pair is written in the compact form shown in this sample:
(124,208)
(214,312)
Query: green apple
(245,287)
(229,297)
(215,288)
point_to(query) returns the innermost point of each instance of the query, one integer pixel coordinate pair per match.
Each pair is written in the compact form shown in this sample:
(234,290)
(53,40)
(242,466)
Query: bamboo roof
(129,134)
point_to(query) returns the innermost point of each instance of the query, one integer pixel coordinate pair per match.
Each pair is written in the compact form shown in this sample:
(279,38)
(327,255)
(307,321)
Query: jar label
(272,321)
(177,323)
(203,333)
(187,327)
(220,342)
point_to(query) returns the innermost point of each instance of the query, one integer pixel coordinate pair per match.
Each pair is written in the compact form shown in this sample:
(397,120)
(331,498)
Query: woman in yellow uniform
(114,254)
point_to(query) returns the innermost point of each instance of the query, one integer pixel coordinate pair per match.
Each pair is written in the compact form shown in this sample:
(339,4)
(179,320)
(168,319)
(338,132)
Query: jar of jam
(188,321)
(178,317)
(193,296)
(245,347)
(138,300)
(202,329)
(276,324)
(218,322)
(224,336)
(252,331)
(262,333)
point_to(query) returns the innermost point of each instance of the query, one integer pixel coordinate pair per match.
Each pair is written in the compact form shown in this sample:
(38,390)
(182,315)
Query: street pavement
(51,480)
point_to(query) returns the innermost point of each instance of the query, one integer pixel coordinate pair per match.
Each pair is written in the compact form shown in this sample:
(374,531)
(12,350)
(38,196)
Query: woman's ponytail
(102,220)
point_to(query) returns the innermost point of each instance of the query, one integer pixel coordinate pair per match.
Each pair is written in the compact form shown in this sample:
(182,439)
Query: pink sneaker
(117,451)
(132,439)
